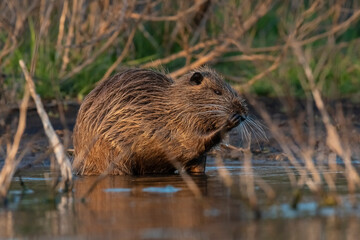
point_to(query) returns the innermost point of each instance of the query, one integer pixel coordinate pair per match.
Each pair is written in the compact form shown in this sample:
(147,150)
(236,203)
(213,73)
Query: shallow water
(163,207)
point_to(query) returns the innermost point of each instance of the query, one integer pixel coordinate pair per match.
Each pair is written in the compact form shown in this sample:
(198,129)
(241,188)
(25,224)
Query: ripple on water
(31,179)
(166,189)
(117,190)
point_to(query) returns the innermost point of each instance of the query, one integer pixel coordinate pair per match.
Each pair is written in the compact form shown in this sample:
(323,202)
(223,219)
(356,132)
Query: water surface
(163,207)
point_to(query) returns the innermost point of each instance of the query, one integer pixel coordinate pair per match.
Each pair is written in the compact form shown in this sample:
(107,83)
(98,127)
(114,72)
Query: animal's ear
(196,78)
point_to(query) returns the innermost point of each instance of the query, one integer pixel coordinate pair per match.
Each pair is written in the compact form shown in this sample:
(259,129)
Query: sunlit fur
(140,121)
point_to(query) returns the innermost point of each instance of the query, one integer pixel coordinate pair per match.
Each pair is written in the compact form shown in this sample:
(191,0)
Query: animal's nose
(241,108)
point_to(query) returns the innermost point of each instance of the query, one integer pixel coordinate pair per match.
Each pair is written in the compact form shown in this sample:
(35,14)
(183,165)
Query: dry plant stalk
(310,165)
(11,162)
(314,172)
(223,172)
(126,48)
(248,179)
(58,148)
(260,10)
(308,174)
(87,29)
(333,140)
(187,179)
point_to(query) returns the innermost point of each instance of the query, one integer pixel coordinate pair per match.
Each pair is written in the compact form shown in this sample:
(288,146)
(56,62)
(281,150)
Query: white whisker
(252,129)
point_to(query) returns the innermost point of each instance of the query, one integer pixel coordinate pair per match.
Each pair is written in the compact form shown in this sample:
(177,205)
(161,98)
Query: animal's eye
(217,92)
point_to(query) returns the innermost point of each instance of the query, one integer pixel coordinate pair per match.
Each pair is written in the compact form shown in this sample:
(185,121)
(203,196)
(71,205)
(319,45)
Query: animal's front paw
(233,121)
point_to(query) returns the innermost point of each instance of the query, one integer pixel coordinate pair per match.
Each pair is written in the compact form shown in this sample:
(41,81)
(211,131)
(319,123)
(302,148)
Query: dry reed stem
(281,56)
(340,27)
(223,172)
(126,48)
(333,138)
(194,188)
(13,30)
(91,59)
(245,57)
(168,18)
(181,54)
(205,10)
(333,141)
(97,181)
(62,27)
(329,178)
(310,174)
(299,31)
(69,37)
(260,10)
(97,53)
(259,76)
(248,179)
(285,143)
(11,163)
(59,151)
(148,36)
(38,160)
(248,176)
(268,190)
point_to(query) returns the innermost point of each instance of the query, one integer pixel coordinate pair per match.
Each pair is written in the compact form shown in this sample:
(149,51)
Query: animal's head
(207,100)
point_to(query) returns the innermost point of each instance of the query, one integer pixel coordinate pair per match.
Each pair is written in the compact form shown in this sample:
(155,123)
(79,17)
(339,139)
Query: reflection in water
(163,207)
(129,212)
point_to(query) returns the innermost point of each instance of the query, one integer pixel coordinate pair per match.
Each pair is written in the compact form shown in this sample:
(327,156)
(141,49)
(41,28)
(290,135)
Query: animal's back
(112,116)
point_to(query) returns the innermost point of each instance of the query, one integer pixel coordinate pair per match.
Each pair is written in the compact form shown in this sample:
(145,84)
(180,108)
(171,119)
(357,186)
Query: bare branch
(63,160)
(11,163)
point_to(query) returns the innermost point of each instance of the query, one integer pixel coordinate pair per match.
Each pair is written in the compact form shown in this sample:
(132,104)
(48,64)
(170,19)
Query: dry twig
(11,162)
(63,160)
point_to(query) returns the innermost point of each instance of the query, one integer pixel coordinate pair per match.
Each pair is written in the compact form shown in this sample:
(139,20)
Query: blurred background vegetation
(70,45)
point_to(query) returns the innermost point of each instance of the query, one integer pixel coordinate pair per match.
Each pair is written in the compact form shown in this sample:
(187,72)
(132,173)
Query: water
(163,207)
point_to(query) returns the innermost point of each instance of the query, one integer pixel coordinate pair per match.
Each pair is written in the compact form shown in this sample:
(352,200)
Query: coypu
(141,121)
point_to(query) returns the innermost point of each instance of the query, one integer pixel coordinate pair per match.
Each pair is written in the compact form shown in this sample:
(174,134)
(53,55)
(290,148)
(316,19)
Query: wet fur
(140,121)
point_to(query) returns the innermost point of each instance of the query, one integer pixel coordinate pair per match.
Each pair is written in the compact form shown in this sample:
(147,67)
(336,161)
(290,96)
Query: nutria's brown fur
(141,121)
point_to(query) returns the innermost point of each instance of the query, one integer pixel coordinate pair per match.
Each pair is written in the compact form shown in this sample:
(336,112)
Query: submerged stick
(59,151)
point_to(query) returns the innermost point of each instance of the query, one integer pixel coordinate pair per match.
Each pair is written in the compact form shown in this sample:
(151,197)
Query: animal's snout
(240,107)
